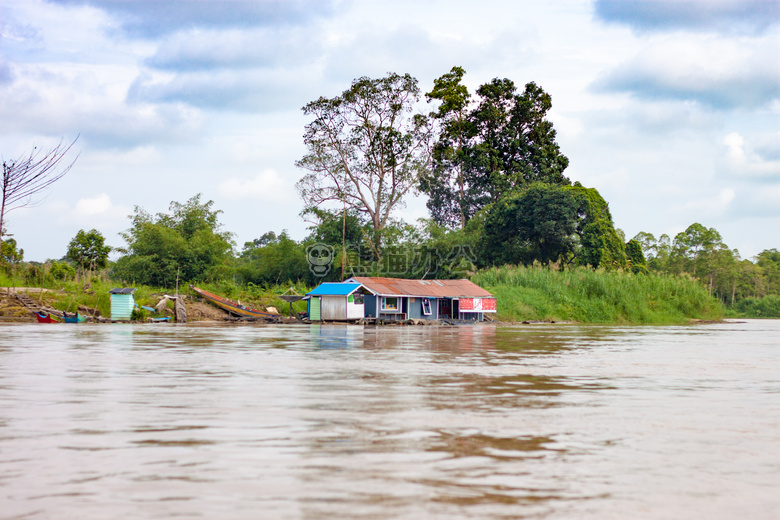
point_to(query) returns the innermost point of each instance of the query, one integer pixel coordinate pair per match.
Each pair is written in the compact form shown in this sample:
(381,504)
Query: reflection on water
(163,421)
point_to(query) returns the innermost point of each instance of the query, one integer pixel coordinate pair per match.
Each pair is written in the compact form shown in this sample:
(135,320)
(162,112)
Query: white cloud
(97,212)
(742,161)
(236,49)
(566,126)
(94,206)
(736,147)
(70,99)
(267,185)
(727,195)
(707,207)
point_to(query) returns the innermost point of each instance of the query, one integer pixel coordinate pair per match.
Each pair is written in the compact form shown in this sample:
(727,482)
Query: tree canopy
(273,260)
(186,243)
(551,223)
(488,148)
(538,223)
(600,244)
(689,244)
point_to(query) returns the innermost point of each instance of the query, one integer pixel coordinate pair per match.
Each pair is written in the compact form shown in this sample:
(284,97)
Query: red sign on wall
(477,305)
(466,304)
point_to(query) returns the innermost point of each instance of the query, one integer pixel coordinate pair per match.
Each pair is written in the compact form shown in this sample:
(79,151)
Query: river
(309,422)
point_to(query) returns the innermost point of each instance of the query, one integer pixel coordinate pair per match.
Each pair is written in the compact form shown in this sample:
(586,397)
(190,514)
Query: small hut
(122,303)
(334,301)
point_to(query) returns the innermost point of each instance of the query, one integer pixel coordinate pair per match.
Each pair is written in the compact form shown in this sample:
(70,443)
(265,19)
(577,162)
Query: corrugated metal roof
(334,289)
(430,288)
(122,290)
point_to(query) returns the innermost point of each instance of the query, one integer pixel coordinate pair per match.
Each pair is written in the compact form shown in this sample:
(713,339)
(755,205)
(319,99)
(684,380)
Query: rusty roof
(430,288)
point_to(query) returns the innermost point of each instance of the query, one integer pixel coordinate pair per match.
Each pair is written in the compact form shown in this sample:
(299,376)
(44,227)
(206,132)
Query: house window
(389,303)
(426,307)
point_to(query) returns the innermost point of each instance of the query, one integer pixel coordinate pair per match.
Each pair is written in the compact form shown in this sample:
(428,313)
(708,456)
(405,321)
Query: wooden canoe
(234,307)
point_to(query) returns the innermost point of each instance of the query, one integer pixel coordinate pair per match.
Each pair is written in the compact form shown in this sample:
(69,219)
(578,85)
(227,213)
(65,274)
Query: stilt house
(400,299)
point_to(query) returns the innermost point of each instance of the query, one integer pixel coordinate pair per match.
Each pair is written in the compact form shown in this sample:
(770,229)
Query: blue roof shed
(122,303)
(337,301)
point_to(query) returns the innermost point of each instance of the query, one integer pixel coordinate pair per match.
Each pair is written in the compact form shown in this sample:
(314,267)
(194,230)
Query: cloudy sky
(670,108)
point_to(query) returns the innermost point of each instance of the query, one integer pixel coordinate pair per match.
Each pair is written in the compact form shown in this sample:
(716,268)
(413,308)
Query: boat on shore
(45,317)
(234,307)
(74,318)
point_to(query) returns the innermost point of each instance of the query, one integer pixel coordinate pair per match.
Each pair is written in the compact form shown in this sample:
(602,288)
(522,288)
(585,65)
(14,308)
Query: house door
(445,308)
(314,309)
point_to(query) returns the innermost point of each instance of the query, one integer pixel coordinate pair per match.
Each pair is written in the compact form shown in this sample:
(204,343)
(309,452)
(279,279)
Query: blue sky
(670,108)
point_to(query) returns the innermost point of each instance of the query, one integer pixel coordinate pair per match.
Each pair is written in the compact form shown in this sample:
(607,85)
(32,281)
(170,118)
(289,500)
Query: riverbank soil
(201,311)
(11,309)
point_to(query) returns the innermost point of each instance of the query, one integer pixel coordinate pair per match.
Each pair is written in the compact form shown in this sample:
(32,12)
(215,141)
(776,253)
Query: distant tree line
(699,252)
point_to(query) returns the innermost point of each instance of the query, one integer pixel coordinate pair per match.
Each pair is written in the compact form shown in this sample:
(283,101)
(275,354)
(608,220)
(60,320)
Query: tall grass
(596,296)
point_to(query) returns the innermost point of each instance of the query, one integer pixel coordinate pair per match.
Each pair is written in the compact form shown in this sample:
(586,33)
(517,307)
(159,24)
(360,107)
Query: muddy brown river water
(312,422)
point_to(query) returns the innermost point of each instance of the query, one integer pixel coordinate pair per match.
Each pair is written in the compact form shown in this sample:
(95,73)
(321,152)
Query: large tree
(187,243)
(26,177)
(499,144)
(366,150)
(88,250)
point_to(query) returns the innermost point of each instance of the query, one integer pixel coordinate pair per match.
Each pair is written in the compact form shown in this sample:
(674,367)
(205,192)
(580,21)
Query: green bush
(766,307)
(139,314)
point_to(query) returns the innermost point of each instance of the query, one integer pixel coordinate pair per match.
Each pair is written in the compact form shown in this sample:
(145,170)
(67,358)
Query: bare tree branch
(29,175)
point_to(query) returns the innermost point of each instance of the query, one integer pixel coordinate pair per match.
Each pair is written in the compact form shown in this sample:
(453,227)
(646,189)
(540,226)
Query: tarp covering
(334,289)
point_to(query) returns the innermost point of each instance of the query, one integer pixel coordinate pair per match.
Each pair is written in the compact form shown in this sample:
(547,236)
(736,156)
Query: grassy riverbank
(588,296)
